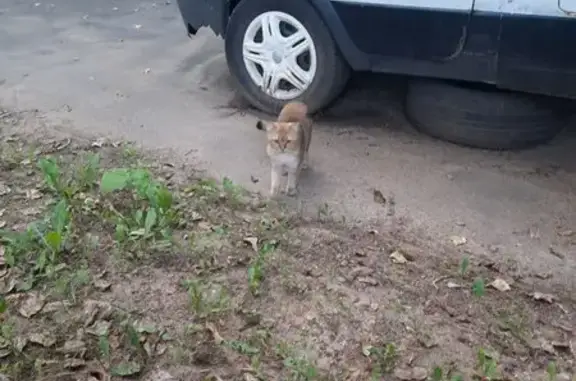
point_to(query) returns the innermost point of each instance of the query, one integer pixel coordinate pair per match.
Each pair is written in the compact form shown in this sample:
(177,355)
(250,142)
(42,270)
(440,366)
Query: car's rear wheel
(482,116)
(278,51)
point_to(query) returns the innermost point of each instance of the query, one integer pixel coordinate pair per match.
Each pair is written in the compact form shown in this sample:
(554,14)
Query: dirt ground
(127,70)
(119,264)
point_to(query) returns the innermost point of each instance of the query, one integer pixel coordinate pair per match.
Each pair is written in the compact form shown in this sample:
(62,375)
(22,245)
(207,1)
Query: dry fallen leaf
(500,285)
(159,375)
(543,297)
(32,305)
(99,143)
(458,240)
(379,197)
(100,328)
(217,338)
(102,285)
(249,377)
(73,363)
(53,307)
(20,343)
(2,259)
(33,194)
(398,257)
(73,347)
(31,211)
(453,285)
(2,224)
(367,350)
(252,241)
(4,189)
(413,374)
(42,339)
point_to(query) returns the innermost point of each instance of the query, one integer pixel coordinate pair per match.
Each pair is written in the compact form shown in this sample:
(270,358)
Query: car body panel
(536,53)
(204,13)
(404,28)
(515,44)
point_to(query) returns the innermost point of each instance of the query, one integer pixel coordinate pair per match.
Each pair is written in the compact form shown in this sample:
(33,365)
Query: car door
(536,40)
(410,29)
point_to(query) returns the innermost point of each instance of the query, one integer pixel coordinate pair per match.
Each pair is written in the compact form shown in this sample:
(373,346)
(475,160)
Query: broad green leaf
(60,216)
(54,240)
(3,305)
(115,179)
(150,220)
(104,346)
(51,172)
(164,198)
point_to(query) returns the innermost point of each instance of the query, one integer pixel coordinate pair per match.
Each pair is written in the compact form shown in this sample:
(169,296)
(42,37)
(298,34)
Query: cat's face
(282,136)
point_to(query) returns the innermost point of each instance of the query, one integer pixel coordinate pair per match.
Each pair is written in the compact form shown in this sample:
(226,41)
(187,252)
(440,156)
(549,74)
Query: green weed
(151,214)
(487,366)
(67,184)
(384,358)
(438,374)
(552,371)
(478,287)
(464,265)
(298,365)
(206,299)
(256,268)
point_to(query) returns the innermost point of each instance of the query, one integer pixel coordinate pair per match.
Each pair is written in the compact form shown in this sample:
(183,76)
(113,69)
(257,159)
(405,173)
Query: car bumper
(200,13)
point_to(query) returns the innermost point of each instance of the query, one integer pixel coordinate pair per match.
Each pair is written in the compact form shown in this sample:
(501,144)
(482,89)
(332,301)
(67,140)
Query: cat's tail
(293,112)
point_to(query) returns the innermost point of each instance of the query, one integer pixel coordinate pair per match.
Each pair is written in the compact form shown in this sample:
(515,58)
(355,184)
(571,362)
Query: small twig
(562,308)
(444,277)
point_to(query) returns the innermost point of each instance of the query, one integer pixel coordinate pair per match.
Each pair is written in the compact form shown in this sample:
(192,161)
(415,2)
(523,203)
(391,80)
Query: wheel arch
(353,56)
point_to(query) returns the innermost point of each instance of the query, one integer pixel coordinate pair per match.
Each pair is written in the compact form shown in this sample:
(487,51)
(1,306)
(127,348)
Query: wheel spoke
(255,52)
(271,28)
(296,44)
(270,81)
(294,74)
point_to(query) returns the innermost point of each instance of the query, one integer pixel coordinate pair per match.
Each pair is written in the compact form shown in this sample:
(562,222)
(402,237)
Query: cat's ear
(264,126)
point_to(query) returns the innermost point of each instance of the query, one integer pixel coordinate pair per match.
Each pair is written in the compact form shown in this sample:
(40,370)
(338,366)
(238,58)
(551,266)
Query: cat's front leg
(276,173)
(292,181)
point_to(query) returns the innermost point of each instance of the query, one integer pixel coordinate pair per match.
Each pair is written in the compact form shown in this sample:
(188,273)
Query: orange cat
(288,143)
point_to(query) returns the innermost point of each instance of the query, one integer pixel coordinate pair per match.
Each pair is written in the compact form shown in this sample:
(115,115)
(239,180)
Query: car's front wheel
(278,51)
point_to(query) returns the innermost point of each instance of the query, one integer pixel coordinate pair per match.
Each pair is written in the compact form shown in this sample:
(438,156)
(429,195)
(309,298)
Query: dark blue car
(495,74)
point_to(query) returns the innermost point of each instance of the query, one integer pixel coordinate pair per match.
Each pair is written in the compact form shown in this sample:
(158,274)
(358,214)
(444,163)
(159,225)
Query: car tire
(481,116)
(332,70)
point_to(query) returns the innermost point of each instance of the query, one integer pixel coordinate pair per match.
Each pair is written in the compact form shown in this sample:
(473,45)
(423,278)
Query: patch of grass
(147,215)
(206,299)
(256,268)
(438,374)
(298,365)
(384,360)
(487,366)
